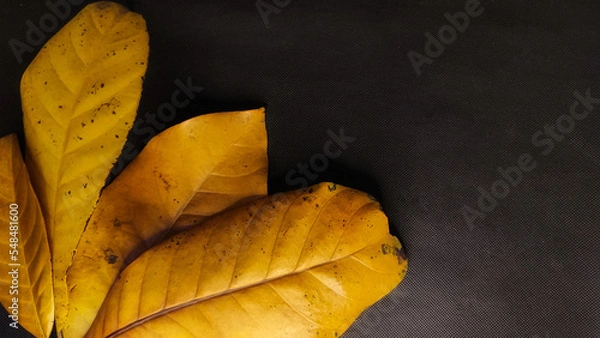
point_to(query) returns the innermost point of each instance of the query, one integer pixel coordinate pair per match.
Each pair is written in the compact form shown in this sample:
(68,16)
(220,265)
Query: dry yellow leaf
(80,96)
(25,270)
(305,264)
(197,168)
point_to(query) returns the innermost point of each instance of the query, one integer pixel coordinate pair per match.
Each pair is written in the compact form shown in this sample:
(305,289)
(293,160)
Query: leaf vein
(292,307)
(347,226)
(237,258)
(313,224)
(279,230)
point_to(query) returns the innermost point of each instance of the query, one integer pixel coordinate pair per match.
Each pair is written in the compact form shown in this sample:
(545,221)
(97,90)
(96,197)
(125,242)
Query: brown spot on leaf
(389,249)
(110,256)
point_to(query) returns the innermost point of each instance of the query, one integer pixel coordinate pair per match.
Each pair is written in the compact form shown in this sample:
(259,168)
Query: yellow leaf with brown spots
(80,97)
(25,269)
(197,168)
(301,264)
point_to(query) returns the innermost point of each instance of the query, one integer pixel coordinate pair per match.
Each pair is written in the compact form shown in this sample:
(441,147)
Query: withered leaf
(25,269)
(302,264)
(197,168)
(79,97)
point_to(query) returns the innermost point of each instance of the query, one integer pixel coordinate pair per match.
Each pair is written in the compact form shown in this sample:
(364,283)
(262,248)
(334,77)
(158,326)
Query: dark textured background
(424,144)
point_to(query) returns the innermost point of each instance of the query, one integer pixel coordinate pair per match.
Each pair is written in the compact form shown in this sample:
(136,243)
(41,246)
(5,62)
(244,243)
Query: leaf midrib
(230,291)
(92,63)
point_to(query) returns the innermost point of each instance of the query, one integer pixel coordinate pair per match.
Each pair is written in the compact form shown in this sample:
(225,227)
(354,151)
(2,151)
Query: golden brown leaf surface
(304,264)
(197,168)
(80,96)
(30,256)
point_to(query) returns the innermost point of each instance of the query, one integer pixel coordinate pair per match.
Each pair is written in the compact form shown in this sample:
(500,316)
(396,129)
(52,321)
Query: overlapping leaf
(302,264)
(80,96)
(197,168)
(25,269)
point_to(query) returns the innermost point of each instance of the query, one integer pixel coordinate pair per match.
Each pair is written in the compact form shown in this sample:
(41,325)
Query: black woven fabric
(463,131)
